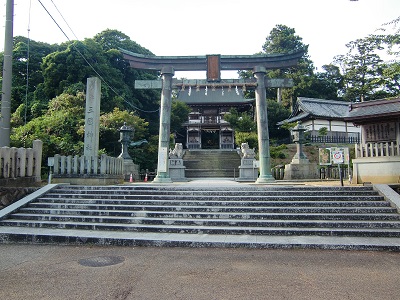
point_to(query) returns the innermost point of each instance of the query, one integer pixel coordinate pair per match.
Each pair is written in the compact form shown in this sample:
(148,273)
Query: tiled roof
(307,108)
(374,109)
(212,97)
(324,108)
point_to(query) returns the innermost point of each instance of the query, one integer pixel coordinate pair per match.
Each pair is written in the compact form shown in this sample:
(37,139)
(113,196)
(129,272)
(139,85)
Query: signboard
(325,156)
(256,164)
(213,67)
(279,83)
(337,157)
(148,84)
(380,132)
(163,159)
(342,155)
(334,155)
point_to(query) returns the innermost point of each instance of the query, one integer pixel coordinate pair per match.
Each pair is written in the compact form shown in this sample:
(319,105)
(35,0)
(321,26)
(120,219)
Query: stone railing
(86,165)
(383,149)
(21,163)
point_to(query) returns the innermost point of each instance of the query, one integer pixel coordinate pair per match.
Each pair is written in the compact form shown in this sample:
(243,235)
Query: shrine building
(378,154)
(206,127)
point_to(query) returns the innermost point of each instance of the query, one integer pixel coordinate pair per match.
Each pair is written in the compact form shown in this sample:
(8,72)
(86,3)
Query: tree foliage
(57,74)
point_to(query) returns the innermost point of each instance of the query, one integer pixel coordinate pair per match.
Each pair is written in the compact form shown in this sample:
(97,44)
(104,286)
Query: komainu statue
(177,152)
(246,151)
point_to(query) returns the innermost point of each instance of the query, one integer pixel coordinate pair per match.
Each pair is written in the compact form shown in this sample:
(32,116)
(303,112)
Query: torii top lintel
(201,63)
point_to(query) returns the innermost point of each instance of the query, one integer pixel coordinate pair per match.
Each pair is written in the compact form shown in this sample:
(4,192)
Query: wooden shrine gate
(213,64)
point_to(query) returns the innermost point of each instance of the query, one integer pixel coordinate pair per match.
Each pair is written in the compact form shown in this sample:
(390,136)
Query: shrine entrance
(210,139)
(213,64)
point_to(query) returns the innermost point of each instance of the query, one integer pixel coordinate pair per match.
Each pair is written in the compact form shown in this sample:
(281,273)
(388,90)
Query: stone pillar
(92,117)
(165,123)
(5,115)
(262,127)
(37,154)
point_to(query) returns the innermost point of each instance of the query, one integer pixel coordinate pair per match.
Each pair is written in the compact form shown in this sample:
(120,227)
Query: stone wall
(376,169)
(9,195)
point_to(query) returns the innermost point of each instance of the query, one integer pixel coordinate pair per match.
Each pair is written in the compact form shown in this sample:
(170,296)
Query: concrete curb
(16,205)
(10,235)
(389,194)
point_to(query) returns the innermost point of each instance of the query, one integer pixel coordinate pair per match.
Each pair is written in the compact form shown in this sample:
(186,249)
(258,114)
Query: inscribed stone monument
(92,116)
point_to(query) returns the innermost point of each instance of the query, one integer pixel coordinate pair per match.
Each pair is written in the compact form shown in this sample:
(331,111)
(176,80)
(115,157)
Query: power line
(90,65)
(65,21)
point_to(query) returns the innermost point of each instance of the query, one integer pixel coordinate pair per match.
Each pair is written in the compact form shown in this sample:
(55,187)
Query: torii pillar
(262,126)
(165,124)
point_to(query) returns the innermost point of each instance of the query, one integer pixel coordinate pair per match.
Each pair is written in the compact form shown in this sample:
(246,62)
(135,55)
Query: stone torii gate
(213,64)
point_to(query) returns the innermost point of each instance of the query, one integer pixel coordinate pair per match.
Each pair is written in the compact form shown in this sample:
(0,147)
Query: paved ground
(61,272)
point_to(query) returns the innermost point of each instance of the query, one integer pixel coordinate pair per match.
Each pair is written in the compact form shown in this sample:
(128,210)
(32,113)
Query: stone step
(211,164)
(214,205)
(210,188)
(209,214)
(212,173)
(221,198)
(215,193)
(209,210)
(198,221)
(156,239)
(273,207)
(203,229)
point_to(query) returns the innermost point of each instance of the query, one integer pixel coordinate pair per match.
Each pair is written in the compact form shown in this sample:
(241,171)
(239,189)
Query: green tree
(244,126)
(361,67)
(27,71)
(179,115)
(58,128)
(111,122)
(331,83)
(277,113)
(145,102)
(241,122)
(283,39)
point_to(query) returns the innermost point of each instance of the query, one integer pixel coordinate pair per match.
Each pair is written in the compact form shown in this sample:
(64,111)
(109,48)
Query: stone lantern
(300,167)
(131,170)
(298,133)
(125,134)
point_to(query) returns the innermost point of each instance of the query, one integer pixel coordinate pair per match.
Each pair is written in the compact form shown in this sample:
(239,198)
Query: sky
(186,27)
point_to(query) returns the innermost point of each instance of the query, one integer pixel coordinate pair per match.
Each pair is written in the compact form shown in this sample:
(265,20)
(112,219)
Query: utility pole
(5,116)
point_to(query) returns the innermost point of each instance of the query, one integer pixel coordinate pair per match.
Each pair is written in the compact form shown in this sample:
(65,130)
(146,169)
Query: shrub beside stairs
(206,216)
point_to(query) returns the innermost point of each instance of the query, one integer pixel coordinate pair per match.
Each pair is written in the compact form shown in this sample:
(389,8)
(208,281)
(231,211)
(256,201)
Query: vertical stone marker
(92,116)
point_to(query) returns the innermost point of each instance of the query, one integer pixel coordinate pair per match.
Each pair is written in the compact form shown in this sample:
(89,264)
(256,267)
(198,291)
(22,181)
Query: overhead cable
(90,65)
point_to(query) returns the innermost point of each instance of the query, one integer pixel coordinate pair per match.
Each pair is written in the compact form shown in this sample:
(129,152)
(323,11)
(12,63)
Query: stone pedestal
(177,169)
(247,171)
(301,171)
(131,168)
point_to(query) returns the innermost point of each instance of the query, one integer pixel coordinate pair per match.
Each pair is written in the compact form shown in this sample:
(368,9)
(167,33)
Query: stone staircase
(211,163)
(208,216)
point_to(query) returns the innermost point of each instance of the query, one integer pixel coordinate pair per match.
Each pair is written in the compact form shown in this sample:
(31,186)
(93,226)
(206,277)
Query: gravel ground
(68,272)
